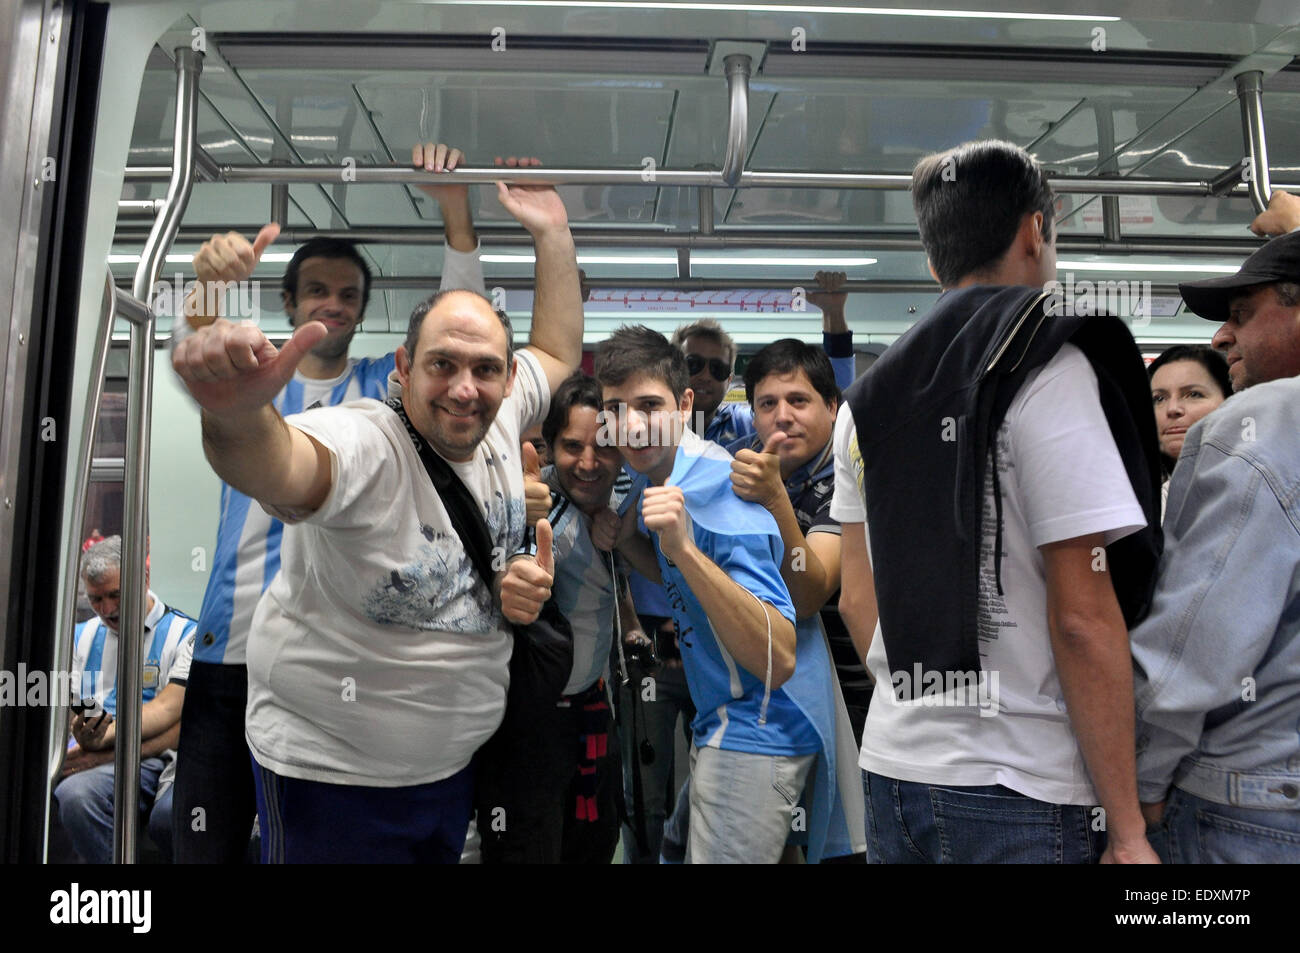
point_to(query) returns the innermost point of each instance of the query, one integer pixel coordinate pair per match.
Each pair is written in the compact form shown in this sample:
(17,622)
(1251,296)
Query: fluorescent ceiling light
(1135,266)
(747,261)
(785,8)
(589,259)
(780,262)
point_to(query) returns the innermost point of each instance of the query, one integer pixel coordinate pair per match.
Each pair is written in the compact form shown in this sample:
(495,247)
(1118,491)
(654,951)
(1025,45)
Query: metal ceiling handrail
(126,785)
(733,163)
(599,237)
(396,174)
(1250,95)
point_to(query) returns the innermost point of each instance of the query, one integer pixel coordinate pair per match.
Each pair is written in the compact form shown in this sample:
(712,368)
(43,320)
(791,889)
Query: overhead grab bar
(1250,96)
(395,174)
(733,163)
(851,240)
(136,308)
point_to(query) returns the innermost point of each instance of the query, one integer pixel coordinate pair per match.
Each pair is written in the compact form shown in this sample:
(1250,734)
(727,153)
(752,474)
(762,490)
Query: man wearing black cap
(1217,661)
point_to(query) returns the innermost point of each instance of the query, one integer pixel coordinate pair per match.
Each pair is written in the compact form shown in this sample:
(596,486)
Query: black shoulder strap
(465,515)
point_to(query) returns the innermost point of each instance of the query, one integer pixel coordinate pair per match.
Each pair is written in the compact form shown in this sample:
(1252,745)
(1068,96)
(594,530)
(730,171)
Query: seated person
(763,730)
(85,795)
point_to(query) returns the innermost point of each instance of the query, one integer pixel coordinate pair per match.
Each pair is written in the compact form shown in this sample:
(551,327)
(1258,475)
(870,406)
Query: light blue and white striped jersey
(248,540)
(168,646)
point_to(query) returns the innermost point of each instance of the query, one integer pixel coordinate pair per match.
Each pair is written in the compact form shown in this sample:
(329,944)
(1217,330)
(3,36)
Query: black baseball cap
(1278,260)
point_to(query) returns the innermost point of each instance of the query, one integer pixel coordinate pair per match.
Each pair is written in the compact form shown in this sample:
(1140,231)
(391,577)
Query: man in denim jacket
(1217,679)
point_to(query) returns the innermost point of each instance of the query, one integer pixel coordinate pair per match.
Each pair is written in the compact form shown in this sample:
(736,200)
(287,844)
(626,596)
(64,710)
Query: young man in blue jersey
(378,661)
(565,791)
(327,280)
(762,731)
(85,795)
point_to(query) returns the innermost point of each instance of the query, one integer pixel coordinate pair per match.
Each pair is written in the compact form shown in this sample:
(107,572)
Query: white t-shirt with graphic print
(1061,477)
(377,657)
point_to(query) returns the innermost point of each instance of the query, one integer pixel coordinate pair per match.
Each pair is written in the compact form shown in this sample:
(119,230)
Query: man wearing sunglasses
(711,361)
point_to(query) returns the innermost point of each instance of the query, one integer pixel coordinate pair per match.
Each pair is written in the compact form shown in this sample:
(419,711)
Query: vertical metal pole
(706,209)
(280,156)
(1250,95)
(1110,222)
(280,205)
(733,163)
(72,545)
(126,813)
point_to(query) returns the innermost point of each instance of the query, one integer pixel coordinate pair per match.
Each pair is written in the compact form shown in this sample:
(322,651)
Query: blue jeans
(215,800)
(1197,831)
(911,823)
(311,822)
(85,802)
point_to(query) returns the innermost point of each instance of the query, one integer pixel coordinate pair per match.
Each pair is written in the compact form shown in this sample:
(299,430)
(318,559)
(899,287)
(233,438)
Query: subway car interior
(712,158)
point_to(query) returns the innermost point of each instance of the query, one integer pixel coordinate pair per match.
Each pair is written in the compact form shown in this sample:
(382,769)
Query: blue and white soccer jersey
(168,649)
(248,540)
(730,423)
(730,700)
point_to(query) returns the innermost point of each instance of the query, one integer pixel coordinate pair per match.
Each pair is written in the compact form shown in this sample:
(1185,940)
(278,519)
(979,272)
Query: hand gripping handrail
(1250,96)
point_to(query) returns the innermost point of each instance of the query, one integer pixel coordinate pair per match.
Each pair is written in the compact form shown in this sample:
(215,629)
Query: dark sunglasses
(719,369)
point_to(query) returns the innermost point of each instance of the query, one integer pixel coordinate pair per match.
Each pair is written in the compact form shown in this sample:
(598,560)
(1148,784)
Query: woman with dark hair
(1187,382)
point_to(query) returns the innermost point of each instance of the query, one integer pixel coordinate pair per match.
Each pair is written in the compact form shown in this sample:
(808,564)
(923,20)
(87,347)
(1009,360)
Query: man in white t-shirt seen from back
(378,660)
(1017,775)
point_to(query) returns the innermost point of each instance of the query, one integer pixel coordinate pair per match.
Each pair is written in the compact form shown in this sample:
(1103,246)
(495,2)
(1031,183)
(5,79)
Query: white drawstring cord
(767,679)
(618,622)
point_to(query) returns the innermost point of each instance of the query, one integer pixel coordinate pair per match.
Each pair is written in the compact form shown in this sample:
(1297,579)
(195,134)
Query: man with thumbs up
(763,730)
(377,663)
(327,280)
(788,467)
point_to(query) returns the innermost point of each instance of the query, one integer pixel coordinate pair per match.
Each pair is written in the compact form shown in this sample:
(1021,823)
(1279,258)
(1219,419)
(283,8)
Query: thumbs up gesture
(233,369)
(219,260)
(537,495)
(526,584)
(756,477)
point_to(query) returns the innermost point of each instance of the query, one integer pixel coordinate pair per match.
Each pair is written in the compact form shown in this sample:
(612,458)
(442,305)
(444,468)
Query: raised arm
(739,618)
(837,339)
(453,200)
(234,373)
(556,336)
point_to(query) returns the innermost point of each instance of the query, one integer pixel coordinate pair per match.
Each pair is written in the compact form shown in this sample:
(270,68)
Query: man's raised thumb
(774,442)
(532,465)
(268,234)
(295,349)
(545,554)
